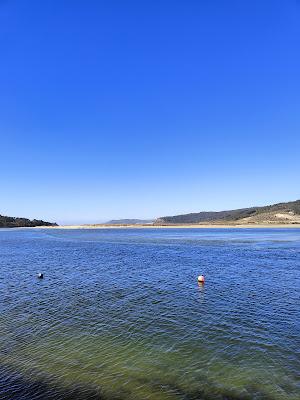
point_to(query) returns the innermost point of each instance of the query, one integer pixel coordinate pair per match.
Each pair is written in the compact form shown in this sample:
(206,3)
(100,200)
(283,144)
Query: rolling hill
(282,213)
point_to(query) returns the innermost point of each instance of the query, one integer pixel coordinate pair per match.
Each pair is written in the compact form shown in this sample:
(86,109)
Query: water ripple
(119,314)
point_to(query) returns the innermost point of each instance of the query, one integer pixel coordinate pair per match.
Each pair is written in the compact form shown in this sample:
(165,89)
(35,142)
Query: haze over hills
(15,222)
(129,221)
(283,213)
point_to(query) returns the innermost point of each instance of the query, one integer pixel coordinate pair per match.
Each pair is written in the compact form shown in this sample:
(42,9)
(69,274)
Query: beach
(185,226)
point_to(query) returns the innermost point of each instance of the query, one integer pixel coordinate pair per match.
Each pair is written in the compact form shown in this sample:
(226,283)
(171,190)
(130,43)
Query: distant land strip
(276,215)
(130,222)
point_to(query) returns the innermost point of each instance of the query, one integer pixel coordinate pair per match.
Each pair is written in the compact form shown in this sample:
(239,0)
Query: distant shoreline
(184,226)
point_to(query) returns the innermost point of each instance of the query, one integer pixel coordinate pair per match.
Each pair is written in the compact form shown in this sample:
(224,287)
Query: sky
(140,109)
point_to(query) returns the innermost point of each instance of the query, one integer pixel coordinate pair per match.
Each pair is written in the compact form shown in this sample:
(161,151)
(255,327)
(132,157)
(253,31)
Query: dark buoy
(40,275)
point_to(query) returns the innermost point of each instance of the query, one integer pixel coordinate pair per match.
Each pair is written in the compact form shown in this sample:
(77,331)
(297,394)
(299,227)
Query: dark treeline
(12,222)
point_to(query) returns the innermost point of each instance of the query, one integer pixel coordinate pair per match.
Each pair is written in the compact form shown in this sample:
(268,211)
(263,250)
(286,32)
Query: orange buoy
(201,279)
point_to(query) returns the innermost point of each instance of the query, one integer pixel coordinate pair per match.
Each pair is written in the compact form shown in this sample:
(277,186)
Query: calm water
(119,314)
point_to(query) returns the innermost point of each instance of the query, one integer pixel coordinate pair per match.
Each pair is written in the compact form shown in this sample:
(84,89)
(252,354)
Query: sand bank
(185,226)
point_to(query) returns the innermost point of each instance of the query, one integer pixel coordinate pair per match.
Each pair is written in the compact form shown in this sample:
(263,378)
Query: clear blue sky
(115,109)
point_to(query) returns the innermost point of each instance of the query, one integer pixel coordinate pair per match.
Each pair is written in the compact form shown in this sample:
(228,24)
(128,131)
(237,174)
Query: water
(119,314)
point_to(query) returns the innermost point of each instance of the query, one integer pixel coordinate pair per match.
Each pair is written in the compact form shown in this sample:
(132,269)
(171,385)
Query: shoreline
(185,226)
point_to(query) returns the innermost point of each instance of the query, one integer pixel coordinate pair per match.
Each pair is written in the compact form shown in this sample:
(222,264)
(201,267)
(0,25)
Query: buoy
(40,275)
(201,279)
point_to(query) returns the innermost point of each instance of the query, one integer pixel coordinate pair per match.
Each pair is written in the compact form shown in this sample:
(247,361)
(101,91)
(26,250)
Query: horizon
(146,219)
(121,111)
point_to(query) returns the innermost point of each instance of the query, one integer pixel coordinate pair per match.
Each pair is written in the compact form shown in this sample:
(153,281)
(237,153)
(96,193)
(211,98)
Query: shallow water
(119,314)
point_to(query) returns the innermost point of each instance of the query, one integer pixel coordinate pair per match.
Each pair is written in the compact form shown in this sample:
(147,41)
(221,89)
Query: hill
(129,221)
(276,213)
(13,222)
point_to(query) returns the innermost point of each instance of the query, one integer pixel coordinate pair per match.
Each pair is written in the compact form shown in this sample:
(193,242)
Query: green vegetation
(230,215)
(13,222)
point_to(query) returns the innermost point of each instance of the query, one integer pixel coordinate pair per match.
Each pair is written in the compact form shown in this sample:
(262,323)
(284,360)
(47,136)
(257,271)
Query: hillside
(276,213)
(13,222)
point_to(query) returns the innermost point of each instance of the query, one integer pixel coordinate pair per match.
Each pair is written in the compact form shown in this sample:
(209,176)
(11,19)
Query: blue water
(119,314)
